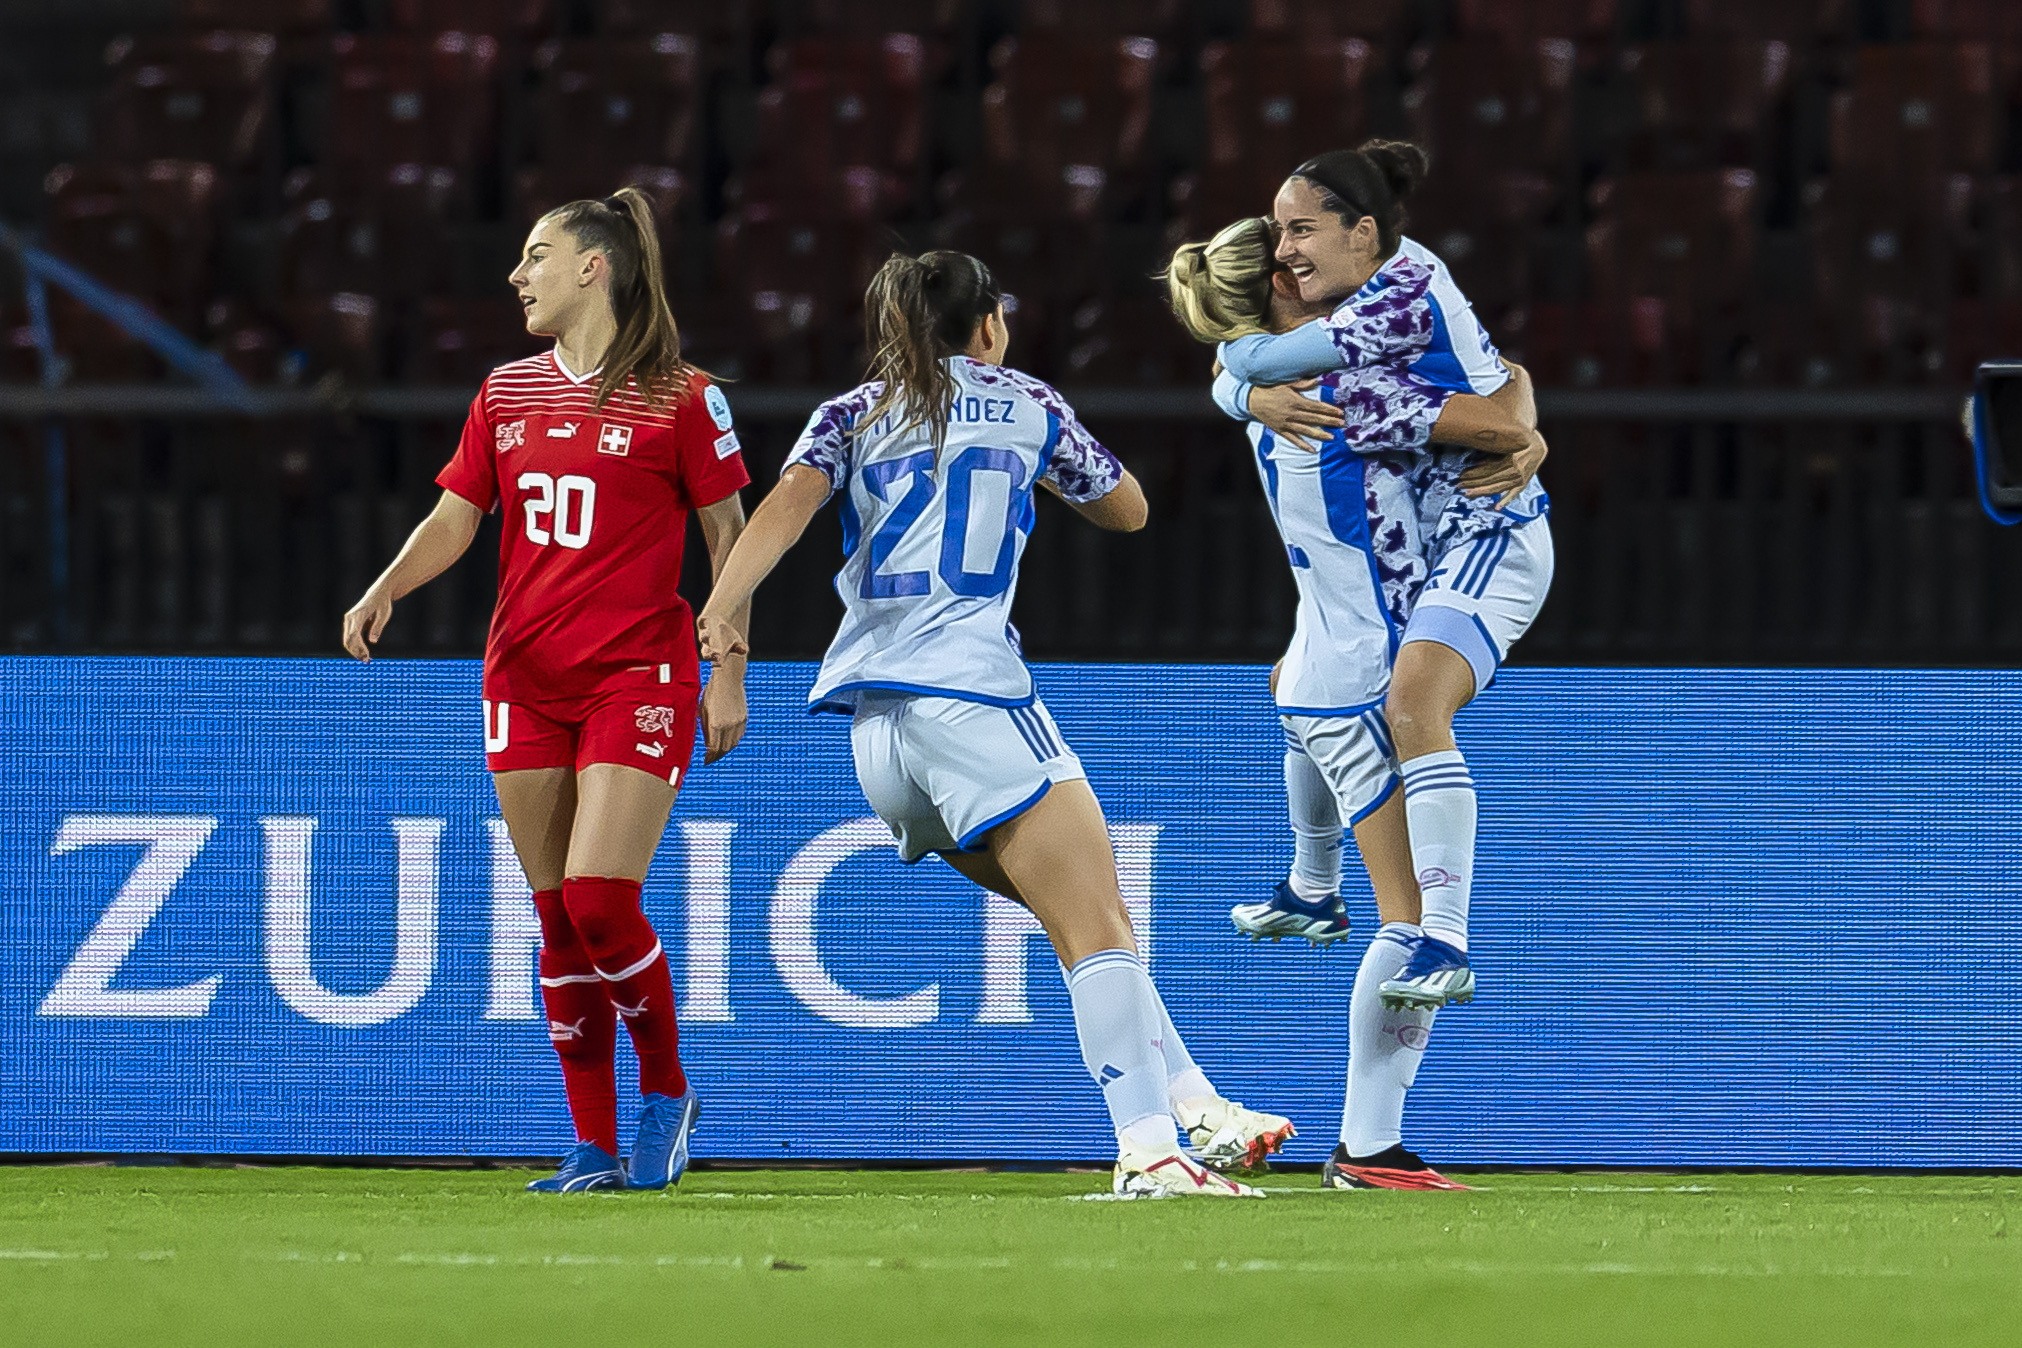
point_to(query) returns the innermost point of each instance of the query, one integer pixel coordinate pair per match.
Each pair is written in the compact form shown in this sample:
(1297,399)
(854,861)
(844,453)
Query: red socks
(580,1024)
(614,933)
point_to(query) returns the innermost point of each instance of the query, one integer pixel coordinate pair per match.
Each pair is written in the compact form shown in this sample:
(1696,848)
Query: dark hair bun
(1402,164)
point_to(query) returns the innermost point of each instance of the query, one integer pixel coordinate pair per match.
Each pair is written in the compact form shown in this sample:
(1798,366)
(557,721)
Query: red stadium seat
(386,234)
(1687,239)
(1800,21)
(1702,104)
(1153,18)
(1070,112)
(842,125)
(207,97)
(1586,20)
(620,100)
(1916,109)
(1483,229)
(266,16)
(249,343)
(397,99)
(1271,104)
(1913,246)
(339,334)
(1310,22)
(713,17)
(147,231)
(939,17)
(797,287)
(1480,106)
(500,18)
(1982,20)
(460,341)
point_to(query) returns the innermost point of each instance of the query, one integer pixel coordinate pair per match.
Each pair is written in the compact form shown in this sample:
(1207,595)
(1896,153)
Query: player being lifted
(596,453)
(935,461)
(1408,340)
(1360,511)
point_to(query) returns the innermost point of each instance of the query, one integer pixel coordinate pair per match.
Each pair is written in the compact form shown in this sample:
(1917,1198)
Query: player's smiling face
(550,280)
(1328,258)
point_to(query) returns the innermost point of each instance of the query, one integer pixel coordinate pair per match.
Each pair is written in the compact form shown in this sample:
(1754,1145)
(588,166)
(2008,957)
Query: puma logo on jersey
(509,436)
(652,750)
(615,440)
(565,431)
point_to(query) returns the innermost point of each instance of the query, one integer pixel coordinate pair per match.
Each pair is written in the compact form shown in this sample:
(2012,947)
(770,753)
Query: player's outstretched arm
(430,550)
(725,714)
(781,518)
(1122,508)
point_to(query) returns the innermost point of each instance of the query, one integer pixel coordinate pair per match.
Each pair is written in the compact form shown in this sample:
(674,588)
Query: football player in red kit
(595,453)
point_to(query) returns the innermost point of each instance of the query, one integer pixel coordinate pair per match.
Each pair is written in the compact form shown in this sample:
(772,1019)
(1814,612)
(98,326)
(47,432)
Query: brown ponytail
(648,345)
(918,312)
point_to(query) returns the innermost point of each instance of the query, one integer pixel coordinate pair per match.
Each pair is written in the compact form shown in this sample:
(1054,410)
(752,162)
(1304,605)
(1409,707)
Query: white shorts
(1484,593)
(1354,756)
(943,772)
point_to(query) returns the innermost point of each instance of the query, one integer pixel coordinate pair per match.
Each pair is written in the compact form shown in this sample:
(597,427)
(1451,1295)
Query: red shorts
(640,719)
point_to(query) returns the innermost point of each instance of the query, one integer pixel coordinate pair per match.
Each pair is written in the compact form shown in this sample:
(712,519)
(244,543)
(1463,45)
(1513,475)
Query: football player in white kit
(1407,338)
(934,463)
(1347,502)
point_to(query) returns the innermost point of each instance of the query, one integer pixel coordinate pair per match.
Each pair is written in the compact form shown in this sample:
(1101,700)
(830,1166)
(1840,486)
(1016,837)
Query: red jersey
(596,506)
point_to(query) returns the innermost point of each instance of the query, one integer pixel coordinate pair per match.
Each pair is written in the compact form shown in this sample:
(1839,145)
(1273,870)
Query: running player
(1405,329)
(596,453)
(934,462)
(1349,517)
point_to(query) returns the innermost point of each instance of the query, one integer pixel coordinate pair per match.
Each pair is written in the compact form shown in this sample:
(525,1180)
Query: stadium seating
(1587,162)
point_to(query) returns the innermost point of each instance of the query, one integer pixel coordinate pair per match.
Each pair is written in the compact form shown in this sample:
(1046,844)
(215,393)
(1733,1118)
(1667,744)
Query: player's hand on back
(365,621)
(1506,477)
(1291,415)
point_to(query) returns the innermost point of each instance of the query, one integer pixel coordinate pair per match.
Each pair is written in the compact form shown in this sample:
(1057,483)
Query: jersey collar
(556,356)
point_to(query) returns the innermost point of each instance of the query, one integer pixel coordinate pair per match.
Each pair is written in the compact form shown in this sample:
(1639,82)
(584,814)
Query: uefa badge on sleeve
(615,440)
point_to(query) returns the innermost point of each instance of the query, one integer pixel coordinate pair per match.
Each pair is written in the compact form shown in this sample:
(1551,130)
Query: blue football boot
(1437,975)
(660,1153)
(1321,921)
(587,1168)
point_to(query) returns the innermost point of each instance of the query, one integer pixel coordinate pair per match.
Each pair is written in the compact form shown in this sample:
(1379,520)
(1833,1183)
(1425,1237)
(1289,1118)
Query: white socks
(1185,1082)
(1384,1048)
(1120,1021)
(1316,829)
(1439,810)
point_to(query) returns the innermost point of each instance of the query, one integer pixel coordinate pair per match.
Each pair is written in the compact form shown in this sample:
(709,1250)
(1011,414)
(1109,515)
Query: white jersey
(1351,530)
(932,537)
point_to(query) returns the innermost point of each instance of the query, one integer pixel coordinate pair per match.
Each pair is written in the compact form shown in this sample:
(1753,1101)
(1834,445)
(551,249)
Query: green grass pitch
(145,1255)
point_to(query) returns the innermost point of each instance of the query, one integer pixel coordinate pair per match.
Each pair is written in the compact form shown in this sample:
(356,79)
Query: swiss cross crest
(510,436)
(615,440)
(656,720)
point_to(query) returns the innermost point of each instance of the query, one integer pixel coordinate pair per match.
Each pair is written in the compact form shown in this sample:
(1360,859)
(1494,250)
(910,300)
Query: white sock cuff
(1101,960)
(1438,758)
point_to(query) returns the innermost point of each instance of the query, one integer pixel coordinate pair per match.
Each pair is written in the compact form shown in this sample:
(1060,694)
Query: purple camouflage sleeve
(1079,466)
(1392,323)
(825,441)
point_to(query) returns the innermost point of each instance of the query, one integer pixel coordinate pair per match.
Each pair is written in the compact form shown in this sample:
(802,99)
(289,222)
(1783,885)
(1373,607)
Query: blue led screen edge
(1723,917)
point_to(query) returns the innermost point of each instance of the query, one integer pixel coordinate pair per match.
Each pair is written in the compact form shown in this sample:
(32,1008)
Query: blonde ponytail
(1221,289)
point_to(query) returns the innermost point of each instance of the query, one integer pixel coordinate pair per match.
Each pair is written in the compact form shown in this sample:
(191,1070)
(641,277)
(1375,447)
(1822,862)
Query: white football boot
(1229,1135)
(1145,1173)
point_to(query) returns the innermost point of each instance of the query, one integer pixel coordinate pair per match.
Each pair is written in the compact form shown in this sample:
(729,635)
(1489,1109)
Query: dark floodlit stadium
(912,672)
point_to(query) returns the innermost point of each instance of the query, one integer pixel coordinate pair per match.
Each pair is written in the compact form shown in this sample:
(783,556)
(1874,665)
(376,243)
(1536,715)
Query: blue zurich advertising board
(1723,918)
